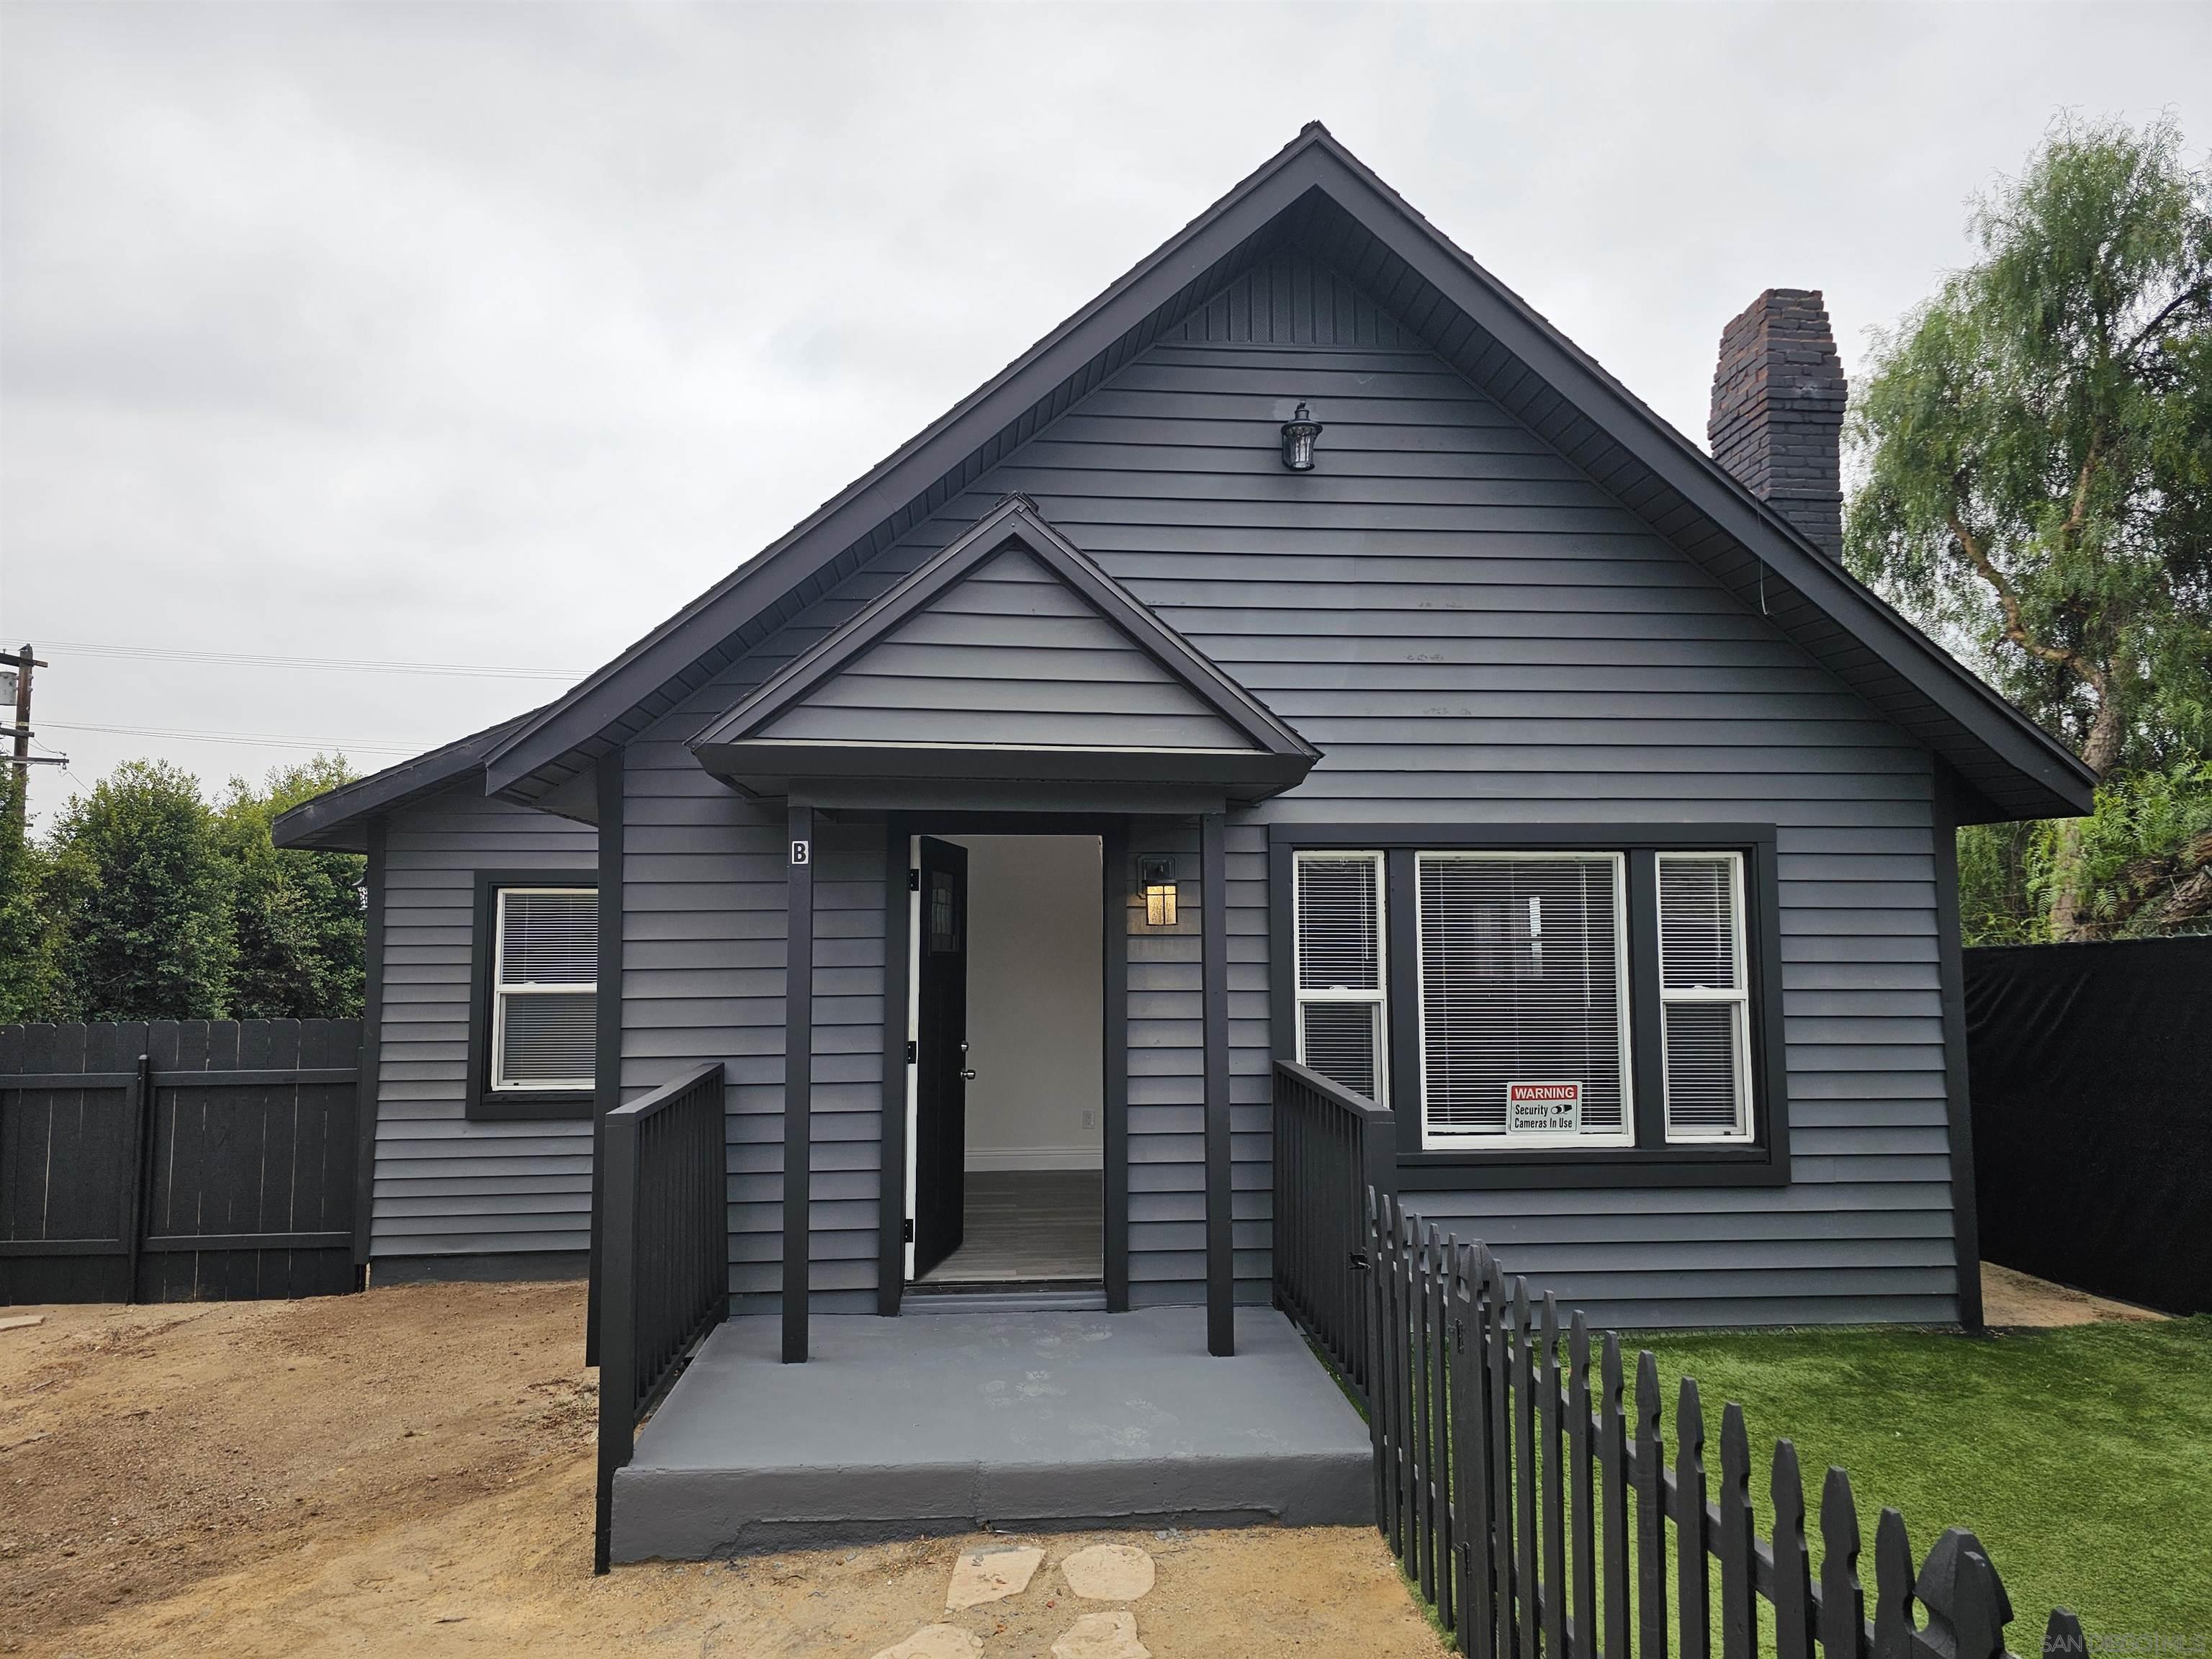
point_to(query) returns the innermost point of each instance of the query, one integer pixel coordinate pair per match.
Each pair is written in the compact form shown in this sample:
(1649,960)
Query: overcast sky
(489,336)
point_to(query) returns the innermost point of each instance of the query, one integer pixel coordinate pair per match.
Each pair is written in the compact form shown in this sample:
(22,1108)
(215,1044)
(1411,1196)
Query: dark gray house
(1303,654)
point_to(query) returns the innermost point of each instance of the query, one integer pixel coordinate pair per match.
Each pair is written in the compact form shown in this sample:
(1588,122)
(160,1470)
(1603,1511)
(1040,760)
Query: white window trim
(1476,1141)
(1379,997)
(1739,1027)
(501,991)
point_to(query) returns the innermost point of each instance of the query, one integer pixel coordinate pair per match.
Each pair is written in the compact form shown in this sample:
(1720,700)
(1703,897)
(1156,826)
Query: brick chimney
(1777,414)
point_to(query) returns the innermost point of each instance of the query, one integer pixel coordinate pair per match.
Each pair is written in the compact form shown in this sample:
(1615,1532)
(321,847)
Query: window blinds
(1706,1000)
(544,1001)
(1340,972)
(1523,970)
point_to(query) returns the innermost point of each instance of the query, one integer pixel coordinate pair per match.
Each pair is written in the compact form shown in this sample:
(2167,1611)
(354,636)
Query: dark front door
(940,1138)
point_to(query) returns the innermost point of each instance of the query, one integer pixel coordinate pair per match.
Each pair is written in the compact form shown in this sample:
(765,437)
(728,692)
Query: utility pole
(19,670)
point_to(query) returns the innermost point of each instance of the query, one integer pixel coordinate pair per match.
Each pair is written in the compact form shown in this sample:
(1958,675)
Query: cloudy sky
(485,337)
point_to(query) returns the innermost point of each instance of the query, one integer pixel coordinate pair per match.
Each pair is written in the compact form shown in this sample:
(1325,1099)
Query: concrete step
(1010,1419)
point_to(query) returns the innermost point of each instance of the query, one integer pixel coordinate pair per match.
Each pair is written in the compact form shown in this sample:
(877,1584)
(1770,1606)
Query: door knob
(968,1076)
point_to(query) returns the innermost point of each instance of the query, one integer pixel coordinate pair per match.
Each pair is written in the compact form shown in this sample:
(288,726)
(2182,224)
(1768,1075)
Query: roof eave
(2049,781)
(337,819)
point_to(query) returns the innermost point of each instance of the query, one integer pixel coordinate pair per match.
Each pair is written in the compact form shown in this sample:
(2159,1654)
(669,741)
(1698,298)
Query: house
(1304,653)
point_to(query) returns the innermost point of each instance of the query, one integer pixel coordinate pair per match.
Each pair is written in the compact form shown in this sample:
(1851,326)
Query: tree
(2145,858)
(297,912)
(2037,448)
(138,891)
(27,945)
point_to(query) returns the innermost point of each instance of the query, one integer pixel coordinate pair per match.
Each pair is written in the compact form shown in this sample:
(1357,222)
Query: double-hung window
(1581,996)
(1340,969)
(544,989)
(1705,997)
(1523,1004)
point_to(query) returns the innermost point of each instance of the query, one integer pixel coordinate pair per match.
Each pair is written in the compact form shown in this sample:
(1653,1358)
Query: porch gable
(1010,655)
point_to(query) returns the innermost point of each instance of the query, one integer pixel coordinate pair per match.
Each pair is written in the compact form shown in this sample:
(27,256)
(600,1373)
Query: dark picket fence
(1540,1516)
(157,1161)
(1530,1501)
(663,1270)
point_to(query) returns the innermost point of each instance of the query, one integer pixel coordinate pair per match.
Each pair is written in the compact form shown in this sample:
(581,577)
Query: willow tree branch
(2015,621)
(2151,329)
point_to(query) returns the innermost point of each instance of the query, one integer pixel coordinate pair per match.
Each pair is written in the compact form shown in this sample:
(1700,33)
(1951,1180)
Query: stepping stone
(936,1642)
(1102,1636)
(1109,1572)
(990,1575)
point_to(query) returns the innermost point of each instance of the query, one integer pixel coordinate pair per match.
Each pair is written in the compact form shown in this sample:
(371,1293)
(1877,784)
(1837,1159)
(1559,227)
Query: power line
(250,740)
(260,659)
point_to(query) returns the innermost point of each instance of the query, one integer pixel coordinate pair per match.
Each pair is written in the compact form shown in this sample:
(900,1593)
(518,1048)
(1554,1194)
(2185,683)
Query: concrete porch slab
(1017,1421)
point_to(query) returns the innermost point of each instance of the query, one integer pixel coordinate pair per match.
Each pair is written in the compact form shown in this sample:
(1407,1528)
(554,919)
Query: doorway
(1006,1076)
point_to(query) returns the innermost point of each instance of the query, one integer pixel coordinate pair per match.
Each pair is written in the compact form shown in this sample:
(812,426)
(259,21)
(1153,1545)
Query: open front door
(940,1137)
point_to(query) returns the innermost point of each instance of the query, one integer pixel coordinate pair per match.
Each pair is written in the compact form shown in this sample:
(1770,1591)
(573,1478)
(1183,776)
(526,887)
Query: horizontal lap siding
(1011,654)
(1471,632)
(703,937)
(445,1186)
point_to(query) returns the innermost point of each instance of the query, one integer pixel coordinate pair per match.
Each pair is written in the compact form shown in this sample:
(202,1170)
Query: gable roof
(1009,655)
(1315,195)
(337,819)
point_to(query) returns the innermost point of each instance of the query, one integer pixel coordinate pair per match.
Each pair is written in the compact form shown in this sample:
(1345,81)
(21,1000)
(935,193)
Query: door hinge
(914,881)
(906,1230)
(911,1055)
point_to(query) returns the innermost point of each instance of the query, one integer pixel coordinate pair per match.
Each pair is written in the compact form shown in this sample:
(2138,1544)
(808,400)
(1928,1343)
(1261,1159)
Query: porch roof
(1010,658)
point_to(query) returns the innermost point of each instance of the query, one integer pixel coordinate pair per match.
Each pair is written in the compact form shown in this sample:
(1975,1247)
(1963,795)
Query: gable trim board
(1252,754)
(1317,191)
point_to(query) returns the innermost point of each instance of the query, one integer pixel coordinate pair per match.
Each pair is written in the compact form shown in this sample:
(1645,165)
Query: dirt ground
(2011,1300)
(408,1472)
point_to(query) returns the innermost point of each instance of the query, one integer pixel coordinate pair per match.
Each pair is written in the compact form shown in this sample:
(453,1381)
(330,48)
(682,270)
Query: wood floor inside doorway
(1022,1224)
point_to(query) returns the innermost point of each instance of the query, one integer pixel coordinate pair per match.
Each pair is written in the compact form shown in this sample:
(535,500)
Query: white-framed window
(1705,997)
(544,989)
(1524,999)
(1342,972)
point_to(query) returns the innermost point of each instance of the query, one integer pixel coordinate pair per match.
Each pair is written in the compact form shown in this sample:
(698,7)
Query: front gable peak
(1011,656)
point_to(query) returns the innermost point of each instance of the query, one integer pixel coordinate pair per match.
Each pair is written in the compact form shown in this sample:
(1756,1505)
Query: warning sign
(1543,1109)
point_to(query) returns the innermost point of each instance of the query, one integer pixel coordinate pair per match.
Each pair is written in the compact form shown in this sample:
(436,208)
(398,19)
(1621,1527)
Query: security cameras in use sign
(1537,1108)
(801,851)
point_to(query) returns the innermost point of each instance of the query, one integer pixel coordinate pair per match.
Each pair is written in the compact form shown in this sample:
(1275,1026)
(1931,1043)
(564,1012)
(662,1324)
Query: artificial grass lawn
(2081,1458)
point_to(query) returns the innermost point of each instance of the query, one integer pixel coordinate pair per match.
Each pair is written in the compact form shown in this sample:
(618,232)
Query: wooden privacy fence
(1540,1511)
(664,1264)
(155,1161)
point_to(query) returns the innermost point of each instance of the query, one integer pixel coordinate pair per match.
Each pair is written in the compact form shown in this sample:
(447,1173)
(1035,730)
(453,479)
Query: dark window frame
(1764,1161)
(486,1104)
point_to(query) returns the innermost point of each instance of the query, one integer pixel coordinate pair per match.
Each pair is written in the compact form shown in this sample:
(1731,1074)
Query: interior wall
(1036,992)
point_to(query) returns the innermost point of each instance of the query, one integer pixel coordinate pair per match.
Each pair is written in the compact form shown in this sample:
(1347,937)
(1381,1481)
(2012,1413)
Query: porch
(1003,1419)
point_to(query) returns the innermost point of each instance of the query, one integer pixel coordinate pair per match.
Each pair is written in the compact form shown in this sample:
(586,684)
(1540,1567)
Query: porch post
(797,1077)
(1220,1266)
(606,1062)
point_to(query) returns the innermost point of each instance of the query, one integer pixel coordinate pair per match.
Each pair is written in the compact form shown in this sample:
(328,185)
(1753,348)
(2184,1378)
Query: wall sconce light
(1157,878)
(1298,434)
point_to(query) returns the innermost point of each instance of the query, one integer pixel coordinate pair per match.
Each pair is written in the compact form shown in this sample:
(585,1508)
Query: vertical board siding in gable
(445,1186)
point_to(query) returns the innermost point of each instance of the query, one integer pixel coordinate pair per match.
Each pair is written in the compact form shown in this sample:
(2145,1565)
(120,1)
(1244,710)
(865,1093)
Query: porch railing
(1331,1148)
(665,1270)
(1534,1505)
